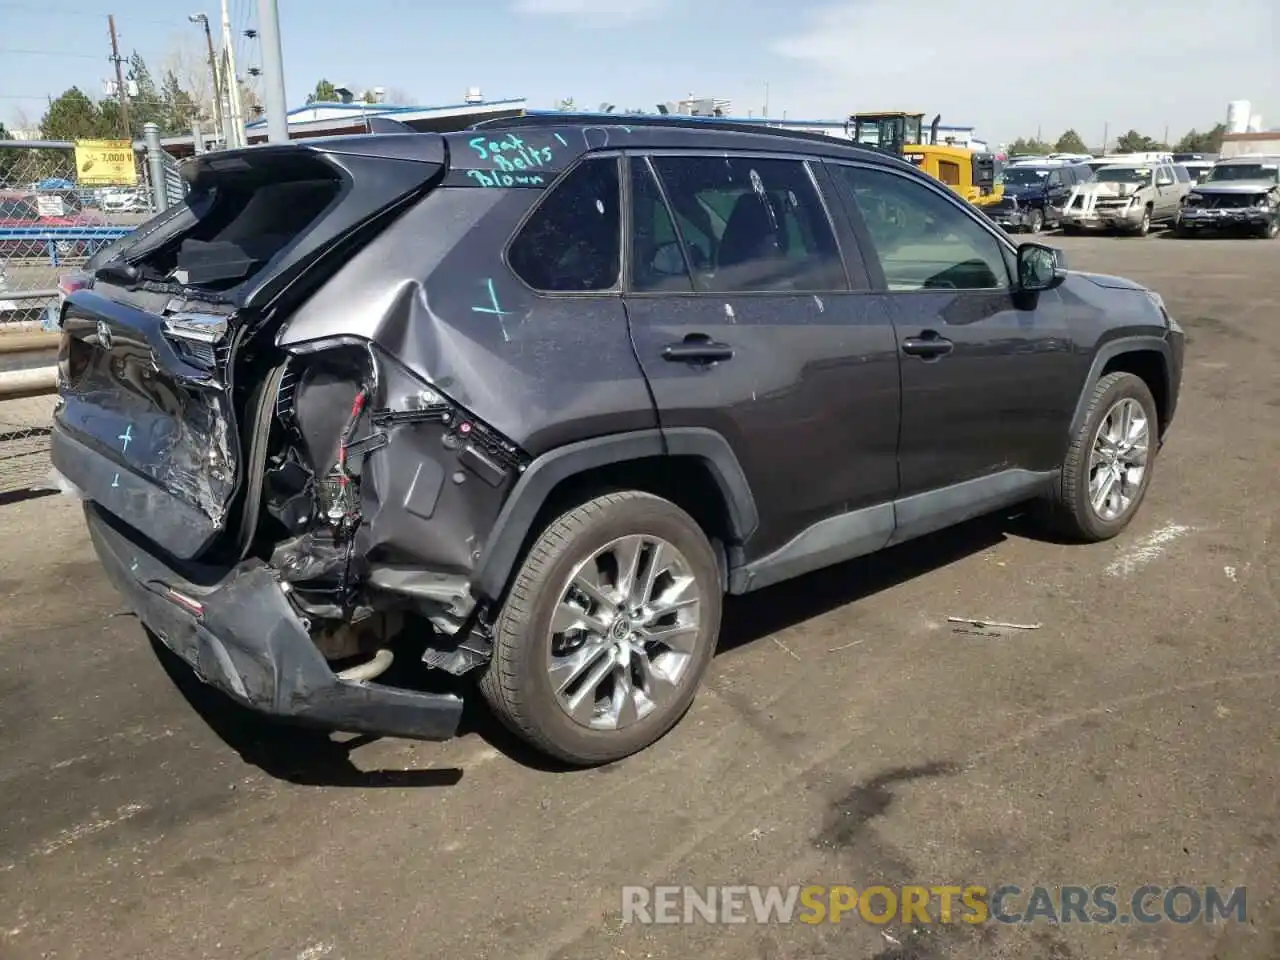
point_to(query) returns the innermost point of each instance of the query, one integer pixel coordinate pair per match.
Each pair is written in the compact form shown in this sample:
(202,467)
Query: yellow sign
(101,163)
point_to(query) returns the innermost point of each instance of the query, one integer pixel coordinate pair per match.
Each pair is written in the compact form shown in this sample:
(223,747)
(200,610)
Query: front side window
(573,240)
(923,240)
(751,225)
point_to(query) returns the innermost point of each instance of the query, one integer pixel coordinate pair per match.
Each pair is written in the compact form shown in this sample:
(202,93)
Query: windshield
(1138,175)
(11,209)
(1246,171)
(1025,176)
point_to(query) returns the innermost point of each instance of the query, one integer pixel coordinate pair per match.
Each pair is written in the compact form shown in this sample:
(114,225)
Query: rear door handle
(929,345)
(697,349)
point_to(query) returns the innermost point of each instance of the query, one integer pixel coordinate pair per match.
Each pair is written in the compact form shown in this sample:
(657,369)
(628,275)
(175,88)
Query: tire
(1072,511)
(517,683)
(1037,222)
(1145,227)
(1270,231)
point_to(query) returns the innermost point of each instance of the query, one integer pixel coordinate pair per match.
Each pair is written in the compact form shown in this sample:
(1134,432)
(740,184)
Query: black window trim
(875,272)
(541,196)
(807,160)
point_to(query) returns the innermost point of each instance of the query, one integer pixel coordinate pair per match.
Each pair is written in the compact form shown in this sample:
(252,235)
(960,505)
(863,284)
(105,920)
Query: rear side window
(657,258)
(573,239)
(949,173)
(751,225)
(1180,173)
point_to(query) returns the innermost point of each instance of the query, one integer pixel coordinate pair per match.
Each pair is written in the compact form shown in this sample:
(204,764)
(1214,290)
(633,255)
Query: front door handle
(697,348)
(929,345)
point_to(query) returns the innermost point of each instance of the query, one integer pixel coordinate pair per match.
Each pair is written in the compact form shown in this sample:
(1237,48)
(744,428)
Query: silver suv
(1127,197)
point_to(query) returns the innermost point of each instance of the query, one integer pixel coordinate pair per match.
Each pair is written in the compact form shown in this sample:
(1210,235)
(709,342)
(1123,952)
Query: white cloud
(593,11)
(1028,65)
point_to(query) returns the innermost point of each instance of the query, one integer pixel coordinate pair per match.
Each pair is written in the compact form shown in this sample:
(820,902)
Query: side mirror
(1040,267)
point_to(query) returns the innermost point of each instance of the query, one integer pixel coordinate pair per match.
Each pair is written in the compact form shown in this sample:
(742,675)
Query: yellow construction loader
(973,174)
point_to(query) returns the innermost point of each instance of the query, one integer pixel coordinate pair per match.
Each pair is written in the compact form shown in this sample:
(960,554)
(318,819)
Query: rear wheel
(1108,466)
(607,629)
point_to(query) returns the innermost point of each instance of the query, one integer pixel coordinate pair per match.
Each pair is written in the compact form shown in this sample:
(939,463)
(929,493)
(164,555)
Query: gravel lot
(1132,739)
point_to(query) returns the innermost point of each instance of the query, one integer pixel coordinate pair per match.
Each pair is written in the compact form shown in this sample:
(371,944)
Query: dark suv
(529,399)
(1035,195)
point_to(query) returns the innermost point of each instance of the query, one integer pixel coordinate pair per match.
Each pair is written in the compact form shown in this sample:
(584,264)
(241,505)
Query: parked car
(33,209)
(123,200)
(1128,199)
(1034,195)
(443,400)
(1240,195)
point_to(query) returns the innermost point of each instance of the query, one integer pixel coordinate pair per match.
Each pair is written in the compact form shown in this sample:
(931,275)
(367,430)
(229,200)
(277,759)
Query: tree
(1208,142)
(1135,142)
(566,105)
(325,92)
(1070,142)
(181,108)
(73,116)
(1030,145)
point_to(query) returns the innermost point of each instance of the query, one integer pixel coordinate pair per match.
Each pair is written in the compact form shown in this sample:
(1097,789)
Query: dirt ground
(846,734)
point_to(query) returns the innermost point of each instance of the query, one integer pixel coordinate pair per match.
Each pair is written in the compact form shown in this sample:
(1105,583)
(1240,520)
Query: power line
(45,10)
(49,53)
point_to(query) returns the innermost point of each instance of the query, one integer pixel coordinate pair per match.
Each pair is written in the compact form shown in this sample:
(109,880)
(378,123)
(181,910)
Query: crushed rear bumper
(238,632)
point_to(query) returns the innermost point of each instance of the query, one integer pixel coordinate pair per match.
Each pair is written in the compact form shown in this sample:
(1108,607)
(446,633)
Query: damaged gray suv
(523,403)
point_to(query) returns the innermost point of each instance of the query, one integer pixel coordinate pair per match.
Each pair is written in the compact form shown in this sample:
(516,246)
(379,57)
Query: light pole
(203,19)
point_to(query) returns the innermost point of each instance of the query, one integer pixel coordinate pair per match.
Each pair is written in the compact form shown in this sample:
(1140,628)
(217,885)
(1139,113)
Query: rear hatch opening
(167,350)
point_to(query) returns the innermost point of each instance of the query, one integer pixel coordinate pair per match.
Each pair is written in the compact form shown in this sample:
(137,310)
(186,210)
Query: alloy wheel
(624,632)
(1118,459)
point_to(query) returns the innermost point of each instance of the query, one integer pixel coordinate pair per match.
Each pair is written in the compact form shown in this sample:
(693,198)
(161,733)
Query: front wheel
(1271,230)
(1145,226)
(1036,223)
(1108,465)
(607,629)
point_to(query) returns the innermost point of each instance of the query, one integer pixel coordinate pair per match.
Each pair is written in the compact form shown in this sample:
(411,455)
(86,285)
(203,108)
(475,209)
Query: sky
(1029,67)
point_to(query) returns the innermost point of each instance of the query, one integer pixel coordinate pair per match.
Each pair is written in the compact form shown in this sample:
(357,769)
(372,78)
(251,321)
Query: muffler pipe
(368,671)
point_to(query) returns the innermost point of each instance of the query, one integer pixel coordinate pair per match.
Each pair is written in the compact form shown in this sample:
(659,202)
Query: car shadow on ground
(285,751)
(319,758)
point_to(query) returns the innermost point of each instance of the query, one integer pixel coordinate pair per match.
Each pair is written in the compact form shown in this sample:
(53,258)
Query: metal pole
(155,161)
(197,136)
(232,79)
(273,71)
(213,70)
(121,90)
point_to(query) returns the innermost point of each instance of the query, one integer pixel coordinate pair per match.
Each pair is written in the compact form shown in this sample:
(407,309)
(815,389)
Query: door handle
(697,348)
(929,345)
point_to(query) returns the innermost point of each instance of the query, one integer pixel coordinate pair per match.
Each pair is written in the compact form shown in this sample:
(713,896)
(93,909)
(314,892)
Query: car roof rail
(559,119)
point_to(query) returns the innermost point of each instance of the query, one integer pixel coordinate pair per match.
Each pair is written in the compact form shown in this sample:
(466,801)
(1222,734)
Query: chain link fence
(50,224)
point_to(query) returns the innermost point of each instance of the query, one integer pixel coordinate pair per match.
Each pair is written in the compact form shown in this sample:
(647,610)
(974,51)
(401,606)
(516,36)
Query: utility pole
(1106,135)
(203,19)
(121,91)
(765,113)
(273,72)
(232,80)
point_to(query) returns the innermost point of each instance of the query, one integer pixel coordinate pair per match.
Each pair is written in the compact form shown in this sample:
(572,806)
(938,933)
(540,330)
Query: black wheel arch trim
(1109,351)
(519,511)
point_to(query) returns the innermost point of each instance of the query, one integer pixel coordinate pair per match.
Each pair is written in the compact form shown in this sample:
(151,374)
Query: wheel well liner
(524,506)
(1147,357)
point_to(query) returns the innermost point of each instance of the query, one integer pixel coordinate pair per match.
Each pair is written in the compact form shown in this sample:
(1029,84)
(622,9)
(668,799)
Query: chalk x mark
(494,310)
(126,437)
